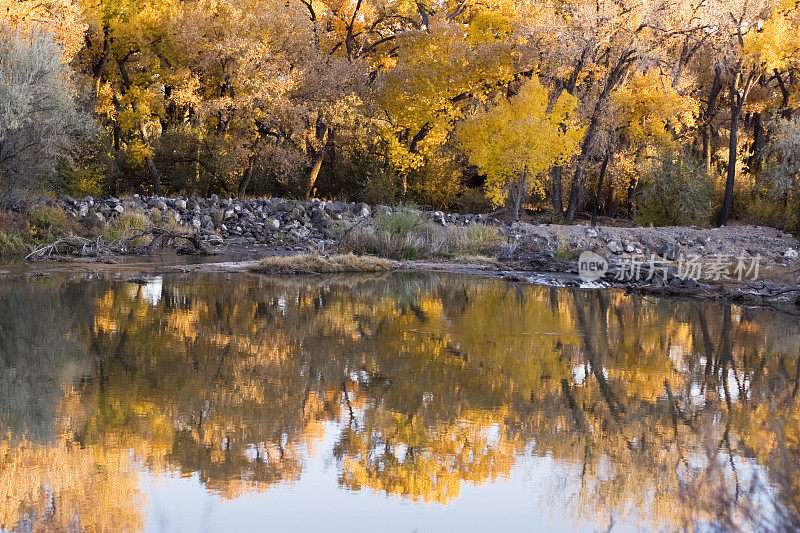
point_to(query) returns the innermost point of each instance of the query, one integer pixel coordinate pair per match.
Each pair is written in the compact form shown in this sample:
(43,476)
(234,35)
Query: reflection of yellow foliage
(433,386)
(62,487)
(424,463)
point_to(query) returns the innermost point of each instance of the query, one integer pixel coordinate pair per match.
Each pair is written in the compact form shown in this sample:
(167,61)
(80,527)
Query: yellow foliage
(777,41)
(518,137)
(653,111)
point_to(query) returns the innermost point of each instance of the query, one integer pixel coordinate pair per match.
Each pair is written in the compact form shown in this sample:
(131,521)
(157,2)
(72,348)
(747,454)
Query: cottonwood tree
(589,50)
(458,55)
(40,116)
(518,139)
(755,38)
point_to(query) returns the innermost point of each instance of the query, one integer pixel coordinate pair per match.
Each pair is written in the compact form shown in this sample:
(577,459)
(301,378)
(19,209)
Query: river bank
(746,264)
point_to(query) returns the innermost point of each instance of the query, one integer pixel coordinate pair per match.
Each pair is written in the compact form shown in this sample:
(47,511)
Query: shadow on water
(661,414)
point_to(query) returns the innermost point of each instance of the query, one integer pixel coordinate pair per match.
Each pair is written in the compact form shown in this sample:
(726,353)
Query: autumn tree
(518,139)
(760,38)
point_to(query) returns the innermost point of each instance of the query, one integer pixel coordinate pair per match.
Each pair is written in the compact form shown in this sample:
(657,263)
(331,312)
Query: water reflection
(656,413)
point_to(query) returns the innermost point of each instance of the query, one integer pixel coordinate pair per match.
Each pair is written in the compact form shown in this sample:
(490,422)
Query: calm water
(401,403)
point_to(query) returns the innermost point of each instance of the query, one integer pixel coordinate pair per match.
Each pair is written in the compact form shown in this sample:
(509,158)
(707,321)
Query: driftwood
(124,244)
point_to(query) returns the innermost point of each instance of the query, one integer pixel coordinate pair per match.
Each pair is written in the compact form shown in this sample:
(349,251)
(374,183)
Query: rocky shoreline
(262,221)
(523,251)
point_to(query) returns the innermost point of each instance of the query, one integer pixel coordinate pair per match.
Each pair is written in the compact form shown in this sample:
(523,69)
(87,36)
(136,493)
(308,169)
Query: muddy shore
(782,296)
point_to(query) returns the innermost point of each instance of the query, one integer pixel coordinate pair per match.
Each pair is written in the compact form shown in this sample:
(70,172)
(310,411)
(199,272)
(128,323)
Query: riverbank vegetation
(320,264)
(662,111)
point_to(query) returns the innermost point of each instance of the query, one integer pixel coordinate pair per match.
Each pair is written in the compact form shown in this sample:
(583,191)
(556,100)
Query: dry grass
(318,264)
(405,235)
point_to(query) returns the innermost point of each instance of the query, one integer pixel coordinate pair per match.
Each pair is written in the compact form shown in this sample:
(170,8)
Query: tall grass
(406,235)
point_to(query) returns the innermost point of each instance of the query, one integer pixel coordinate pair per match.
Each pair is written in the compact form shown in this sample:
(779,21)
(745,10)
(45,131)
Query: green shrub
(128,220)
(407,235)
(675,192)
(49,223)
(400,222)
(12,242)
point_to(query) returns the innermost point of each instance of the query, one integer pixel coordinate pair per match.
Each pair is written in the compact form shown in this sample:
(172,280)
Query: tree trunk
(151,164)
(580,169)
(519,193)
(738,97)
(611,201)
(322,137)
(614,77)
(248,173)
(708,115)
(555,178)
(727,203)
(600,185)
(632,185)
(557,171)
(754,159)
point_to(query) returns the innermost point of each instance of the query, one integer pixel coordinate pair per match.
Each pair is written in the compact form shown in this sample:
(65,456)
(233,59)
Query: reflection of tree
(49,482)
(400,456)
(63,487)
(664,407)
(39,357)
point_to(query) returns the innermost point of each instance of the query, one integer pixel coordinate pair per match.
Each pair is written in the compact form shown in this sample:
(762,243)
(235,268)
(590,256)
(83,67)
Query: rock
(690,282)
(628,247)
(161,205)
(438,217)
(675,282)
(180,205)
(100,217)
(362,210)
(614,247)
(657,281)
(119,209)
(669,251)
(83,209)
(591,233)
(67,199)
(335,208)
(319,217)
(88,201)
(791,253)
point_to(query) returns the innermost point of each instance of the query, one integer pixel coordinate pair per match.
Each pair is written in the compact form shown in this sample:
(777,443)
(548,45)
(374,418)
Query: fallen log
(76,245)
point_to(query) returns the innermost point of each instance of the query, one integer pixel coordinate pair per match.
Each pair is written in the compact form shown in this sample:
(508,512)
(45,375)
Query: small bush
(12,242)
(49,223)
(132,219)
(400,222)
(409,252)
(675,192)
(406,235)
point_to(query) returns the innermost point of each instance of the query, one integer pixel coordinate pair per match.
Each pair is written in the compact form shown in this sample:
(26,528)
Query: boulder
(669,251)
(362,210)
